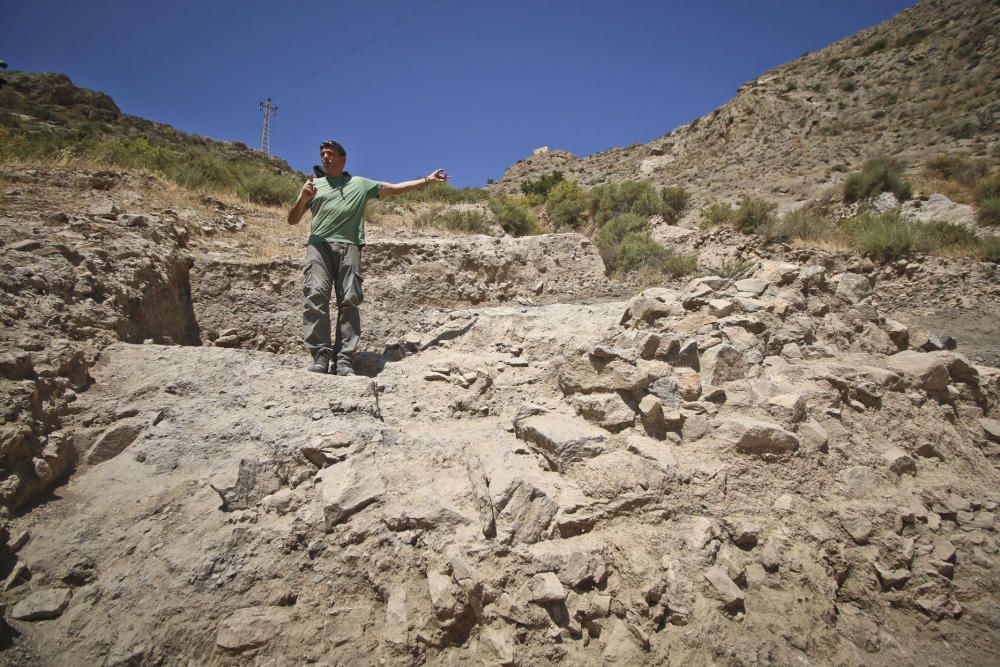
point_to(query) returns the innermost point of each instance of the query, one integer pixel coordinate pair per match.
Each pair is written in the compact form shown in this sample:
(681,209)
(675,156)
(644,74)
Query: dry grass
(953,190)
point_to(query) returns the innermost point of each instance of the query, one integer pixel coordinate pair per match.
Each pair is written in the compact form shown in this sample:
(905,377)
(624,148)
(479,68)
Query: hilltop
(921,84)
(43,116)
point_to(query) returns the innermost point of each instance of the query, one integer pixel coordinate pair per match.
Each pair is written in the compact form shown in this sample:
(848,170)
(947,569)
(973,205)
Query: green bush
(876,46)
(912,38)
(675,202)
(804,224)
(567,205)
(988,188)
(988,211)
(626,245)
(542,185)
(514,216)
(883,235)
(988,249)
(752,215)
(716,214)
(944,236)
(956,168)
(445,194)
(269,189)
(637,197)
(877,176)
(730,270)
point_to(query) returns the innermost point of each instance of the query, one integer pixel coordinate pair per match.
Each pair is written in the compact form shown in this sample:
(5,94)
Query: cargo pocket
(354,295)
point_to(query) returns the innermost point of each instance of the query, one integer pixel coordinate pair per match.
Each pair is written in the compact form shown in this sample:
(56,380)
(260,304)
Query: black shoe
(318,171)
(344,371)
(321,362)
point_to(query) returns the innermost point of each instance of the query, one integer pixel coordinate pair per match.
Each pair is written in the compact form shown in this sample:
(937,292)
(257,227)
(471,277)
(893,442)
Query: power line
(359,46)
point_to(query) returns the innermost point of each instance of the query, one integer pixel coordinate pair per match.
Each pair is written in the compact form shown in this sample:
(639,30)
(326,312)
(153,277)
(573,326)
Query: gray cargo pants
(332,267)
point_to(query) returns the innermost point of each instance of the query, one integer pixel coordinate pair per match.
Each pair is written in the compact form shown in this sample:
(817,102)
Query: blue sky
(411,86)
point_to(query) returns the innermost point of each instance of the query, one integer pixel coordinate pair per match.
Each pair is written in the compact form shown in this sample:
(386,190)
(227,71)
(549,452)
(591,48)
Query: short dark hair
(330,143)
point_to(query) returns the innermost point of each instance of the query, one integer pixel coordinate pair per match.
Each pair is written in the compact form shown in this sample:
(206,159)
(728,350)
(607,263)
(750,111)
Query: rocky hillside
(921,84)
(536,466)
(43,116)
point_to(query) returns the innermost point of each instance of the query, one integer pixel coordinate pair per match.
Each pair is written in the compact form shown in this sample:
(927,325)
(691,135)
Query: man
(333,254)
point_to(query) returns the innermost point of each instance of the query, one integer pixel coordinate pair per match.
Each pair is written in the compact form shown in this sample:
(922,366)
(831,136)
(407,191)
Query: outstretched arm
(439,176)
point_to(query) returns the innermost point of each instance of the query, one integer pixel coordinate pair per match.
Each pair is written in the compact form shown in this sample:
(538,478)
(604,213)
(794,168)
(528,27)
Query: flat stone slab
(562,439)
(347,488)
(41,605)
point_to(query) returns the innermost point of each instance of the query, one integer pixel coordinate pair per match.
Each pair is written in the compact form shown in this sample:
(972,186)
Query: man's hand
(439,176)
(308,191)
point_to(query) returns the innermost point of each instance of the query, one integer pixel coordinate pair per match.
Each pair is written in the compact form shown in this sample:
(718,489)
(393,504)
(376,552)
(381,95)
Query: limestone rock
(347,488)
(758,437)
(42,605)
(251,628)
(561,439)
(607,410)
(525,515)
(991,427)
(899,461)
(921,370)
(115,440)
(725,589)
(853,287)
(813,436)
(542,588)
(499,646)
(396,628)
(720,364)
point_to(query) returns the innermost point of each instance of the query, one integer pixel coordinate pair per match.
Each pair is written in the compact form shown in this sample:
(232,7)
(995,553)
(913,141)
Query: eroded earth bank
(537,465)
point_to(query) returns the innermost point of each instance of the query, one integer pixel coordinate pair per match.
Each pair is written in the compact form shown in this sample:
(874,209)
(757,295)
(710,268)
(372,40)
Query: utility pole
(265,135)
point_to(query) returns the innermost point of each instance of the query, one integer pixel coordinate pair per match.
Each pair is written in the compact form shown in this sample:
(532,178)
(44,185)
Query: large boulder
(921,370)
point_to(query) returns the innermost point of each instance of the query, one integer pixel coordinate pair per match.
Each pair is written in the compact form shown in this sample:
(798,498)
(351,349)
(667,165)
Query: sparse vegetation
(883,236)
(514,216)
(715,214)
(988,201)
(752,215)
(445,194)
(730,270)
(193,167)
(877,175)
(675,201)
(876,46)
(567,205)
(912,38)
(626,245)
(805,224)
(988,211)
(613,199)
(886,236)
(465,221)
(542,185)
(956,168)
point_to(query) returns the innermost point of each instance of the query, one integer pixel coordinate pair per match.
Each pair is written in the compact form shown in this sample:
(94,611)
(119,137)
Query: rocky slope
(536,467)
(920,84)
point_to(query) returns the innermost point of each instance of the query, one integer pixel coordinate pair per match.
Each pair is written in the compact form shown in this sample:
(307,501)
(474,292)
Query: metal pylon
(265,135)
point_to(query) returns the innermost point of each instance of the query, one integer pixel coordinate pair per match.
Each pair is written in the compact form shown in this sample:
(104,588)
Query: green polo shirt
(338,209)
